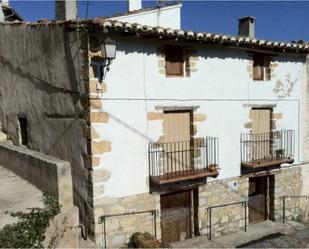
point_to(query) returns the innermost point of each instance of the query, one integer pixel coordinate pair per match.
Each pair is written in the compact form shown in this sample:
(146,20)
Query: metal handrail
(102,220)
(208,211)
(290,197)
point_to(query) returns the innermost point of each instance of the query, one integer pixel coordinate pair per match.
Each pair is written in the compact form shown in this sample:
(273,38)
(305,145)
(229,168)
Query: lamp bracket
(101,68)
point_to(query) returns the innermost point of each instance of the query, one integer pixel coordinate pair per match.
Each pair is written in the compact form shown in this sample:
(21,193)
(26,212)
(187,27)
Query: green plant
(145,240)
(29,231)
(279,152)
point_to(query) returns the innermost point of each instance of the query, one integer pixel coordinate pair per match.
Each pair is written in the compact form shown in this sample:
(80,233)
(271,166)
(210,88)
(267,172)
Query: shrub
(29,230)
(145,240)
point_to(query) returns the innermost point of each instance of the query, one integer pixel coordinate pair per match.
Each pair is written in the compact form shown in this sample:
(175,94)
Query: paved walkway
(16,194)
(254,233)
(297,239)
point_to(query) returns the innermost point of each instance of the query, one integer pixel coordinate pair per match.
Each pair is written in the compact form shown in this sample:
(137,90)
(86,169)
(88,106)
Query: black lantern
(108,49)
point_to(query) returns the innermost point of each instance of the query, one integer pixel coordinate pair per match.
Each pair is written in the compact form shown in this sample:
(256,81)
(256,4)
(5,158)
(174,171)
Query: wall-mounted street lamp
(108,50)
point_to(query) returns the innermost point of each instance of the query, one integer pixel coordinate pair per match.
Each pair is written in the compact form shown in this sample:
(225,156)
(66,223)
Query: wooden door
(177,141)
(176,216)
(257,199)
(261,127)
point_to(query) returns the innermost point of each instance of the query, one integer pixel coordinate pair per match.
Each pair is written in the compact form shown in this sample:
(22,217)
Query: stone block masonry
(120,228)
(288,182)
(220,192)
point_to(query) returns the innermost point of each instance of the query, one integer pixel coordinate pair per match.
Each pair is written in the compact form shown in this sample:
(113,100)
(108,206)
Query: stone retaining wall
(52,176)
(49,174)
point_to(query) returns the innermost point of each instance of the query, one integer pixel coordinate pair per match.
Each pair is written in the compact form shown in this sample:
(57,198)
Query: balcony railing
(186,160)
(267,149)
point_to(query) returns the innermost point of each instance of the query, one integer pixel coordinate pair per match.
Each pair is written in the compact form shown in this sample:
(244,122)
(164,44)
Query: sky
(275,20)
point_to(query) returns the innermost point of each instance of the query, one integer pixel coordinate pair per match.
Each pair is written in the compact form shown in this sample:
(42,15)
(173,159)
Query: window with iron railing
(185,158)
(273,146)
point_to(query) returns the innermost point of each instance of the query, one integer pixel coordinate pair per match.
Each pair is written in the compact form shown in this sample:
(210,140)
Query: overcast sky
(275,20)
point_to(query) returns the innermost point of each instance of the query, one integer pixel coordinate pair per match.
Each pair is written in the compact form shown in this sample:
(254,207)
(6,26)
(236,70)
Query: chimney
(246,26)
(66,9)
(134,5)
(5,3)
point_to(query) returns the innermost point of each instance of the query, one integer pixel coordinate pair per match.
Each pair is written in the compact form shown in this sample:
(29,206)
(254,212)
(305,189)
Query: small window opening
(23,131)
(174,59)
(261,67)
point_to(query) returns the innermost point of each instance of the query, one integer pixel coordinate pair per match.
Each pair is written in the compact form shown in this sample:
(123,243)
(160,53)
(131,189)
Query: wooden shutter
(258,67)
(261,67)
(176,126)
(267,67)
(262,138)
(177,136)
(174,58)
(260,120)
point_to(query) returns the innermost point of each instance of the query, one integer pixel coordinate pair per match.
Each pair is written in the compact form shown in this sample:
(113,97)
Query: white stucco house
(217,119)
(186,134)
(167,15)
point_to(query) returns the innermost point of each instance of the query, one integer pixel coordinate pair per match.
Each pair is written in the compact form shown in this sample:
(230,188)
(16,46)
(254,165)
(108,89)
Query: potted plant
(213,167)
(279,153)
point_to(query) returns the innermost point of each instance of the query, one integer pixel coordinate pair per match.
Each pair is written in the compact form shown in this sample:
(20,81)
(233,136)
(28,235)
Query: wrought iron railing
(168,160)
(244,205)
(293,197)
(274,145)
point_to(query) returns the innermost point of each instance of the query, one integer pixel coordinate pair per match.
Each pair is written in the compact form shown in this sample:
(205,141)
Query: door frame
(269,197)
(193,209)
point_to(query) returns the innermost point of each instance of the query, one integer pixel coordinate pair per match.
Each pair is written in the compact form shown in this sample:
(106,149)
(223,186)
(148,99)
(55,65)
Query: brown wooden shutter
(267,68)
(262,139)
(174,58)
(261,67)
(176,126)
(261,120)
(258,67)
(177,141)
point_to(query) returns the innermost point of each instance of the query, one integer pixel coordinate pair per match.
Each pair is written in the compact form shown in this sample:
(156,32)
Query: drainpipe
(66,9)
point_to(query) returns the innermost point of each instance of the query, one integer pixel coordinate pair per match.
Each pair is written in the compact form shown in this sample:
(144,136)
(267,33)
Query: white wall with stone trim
(156,17)
(222,88)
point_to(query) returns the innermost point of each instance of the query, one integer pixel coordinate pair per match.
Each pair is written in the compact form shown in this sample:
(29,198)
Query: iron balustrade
(243,204)
(168,160)
(102,220)
(274,145)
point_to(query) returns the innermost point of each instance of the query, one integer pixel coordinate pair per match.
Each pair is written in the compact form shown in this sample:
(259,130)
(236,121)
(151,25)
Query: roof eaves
(192,36)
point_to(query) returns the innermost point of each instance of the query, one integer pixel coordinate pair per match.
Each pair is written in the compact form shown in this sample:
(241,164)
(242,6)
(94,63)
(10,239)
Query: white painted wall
(167,17)
(221,87)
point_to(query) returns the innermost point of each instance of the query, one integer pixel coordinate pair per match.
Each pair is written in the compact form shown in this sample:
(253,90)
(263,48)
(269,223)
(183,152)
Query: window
(261,67)
(174,60)
(23,131)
